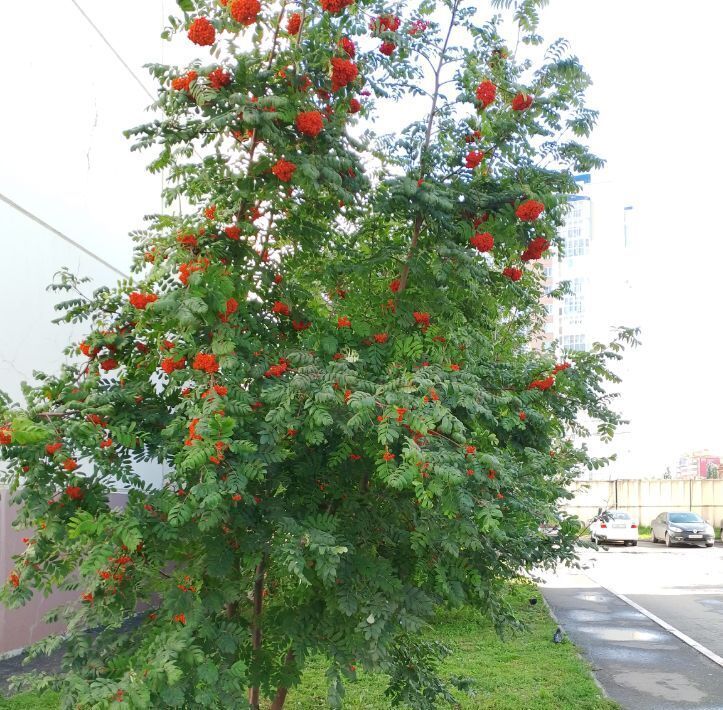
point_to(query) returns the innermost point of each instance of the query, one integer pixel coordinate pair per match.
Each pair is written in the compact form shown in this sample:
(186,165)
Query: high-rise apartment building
(597,261)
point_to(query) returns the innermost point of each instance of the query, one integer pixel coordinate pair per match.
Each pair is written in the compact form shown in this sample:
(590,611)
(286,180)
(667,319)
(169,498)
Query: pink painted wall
(21,627)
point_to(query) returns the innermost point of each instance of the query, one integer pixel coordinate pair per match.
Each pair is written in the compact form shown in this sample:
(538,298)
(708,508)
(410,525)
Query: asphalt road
(681,585)
(638,662)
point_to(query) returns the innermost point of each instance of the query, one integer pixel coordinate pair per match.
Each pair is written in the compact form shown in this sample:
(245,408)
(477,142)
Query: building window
(549,317)
(573,342)
(576,231)
(574,303)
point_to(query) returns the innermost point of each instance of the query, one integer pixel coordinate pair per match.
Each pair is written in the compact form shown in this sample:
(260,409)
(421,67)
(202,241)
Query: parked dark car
(673,528)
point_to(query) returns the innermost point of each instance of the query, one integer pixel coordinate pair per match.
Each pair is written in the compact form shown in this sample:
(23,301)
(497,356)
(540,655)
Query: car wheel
(634,543)
(668,543)
(626,543)
(709,544)
(655,539)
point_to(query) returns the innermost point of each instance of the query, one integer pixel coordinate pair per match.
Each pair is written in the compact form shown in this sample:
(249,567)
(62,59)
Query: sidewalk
(42,664)
(14,666)
(639,664)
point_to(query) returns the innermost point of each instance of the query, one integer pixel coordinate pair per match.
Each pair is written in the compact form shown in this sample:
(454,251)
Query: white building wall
(65,159)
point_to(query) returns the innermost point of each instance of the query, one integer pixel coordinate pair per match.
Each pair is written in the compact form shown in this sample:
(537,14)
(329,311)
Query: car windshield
(685,518)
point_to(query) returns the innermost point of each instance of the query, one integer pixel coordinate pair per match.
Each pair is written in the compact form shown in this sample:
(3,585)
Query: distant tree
(711,471)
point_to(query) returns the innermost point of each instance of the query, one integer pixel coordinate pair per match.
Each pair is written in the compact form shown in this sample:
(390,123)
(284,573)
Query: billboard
(708,462)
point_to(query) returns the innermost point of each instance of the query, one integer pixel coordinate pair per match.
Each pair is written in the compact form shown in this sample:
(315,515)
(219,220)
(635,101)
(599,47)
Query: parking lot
(667,652)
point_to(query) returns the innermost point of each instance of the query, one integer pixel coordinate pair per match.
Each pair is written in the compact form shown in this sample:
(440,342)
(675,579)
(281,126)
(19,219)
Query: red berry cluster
(284,170)
(474,158)
(310,123)
(293,24)
(245,11)
(335,6)
(205,362)
(219,78)
(521,102)
(382,24)
(347,46)
(202,32)
(482,242)
(529,210)
(183,83)
(141,300)
(486,93)
(343,73)
(535,249)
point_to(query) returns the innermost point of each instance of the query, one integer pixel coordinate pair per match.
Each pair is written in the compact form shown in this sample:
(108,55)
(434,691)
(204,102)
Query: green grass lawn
(31,701)
(525,672)
(645,532)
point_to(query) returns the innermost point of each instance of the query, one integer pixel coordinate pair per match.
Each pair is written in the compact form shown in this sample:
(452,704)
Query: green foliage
(337,384)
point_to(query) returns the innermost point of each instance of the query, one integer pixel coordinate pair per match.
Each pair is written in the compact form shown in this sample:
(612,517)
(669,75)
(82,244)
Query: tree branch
(419,219)
(437,85)
(254,140)
(272,53)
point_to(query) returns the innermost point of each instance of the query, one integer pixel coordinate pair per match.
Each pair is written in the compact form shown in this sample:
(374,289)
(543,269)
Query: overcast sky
(66,100)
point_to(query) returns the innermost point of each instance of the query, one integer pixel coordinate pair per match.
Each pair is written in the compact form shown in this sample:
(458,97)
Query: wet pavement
(50,665)
(681,585)
(14,666)
(638,663)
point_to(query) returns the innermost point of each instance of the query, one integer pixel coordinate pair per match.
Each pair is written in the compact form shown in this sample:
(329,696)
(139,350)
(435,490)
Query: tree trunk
(258,599)
(280,699)
(282,692)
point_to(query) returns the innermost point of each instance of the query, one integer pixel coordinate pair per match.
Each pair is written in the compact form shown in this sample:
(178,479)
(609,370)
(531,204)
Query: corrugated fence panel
(644,499)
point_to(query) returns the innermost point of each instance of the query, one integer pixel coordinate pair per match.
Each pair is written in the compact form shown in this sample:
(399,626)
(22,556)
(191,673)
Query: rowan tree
(332,341)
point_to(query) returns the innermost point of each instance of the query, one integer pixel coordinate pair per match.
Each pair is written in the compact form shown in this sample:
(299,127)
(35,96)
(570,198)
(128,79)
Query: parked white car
(614,526)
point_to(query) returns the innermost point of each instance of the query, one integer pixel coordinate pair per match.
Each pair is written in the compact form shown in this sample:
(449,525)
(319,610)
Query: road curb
(579,653)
